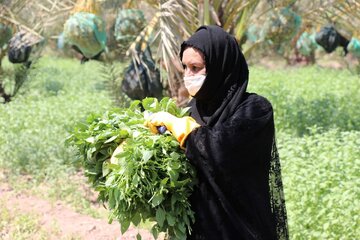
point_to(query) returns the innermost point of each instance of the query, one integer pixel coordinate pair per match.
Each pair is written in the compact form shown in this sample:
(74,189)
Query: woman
(229,138)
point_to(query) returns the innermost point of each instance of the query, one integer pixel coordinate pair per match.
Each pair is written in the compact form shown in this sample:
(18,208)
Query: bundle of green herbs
(148,178)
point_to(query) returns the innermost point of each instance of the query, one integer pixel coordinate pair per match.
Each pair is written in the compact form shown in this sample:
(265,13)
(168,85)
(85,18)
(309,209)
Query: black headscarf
(239,195)
(227,73)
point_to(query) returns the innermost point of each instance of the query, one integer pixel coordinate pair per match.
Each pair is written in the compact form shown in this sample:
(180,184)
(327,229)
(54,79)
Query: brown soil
(68,223)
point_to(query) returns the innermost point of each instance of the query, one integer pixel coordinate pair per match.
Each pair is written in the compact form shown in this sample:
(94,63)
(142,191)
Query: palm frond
(174,21)
(177,22)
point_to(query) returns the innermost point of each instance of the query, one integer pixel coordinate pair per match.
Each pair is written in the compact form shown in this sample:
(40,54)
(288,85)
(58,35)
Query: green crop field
(317,117)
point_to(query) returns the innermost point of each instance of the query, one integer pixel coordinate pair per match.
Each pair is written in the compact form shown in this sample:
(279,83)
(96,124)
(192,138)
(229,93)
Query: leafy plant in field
(149,179)
(320,175)
(33,125)
(308,97)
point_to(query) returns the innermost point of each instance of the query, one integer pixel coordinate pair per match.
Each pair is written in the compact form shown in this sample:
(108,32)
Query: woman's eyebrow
(194,62)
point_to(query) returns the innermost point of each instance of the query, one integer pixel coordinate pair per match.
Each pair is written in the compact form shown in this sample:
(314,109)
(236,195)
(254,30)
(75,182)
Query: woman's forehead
(192,55)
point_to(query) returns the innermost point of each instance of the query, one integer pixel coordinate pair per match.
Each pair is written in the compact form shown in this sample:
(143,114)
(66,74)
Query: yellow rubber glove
(179,127)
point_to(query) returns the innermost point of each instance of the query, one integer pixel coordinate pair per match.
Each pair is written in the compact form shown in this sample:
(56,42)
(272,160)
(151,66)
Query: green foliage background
(318,134)
(305,97)
(317,117)
(34,125)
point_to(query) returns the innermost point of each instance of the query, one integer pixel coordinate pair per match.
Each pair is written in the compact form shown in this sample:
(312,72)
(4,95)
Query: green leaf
(90,140)
(179,233)
(155,231)
(164,181)
(184,111)
(175,156)
(174,175)
(105,169)
(111,139)
(170,219)
(123,133)
(112,201)
(117,194)
(165,101)
(150,104)
(160,216)
(186,220)
(110,219)
(134,104)
(174,165)
(157,199)
(135,180)
(109,181)
(111,166)
(146,155)
(138,236)
(125,224)
(174,199)
(136,219)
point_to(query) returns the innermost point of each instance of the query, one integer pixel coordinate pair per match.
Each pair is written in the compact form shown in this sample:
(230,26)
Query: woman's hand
(179,127)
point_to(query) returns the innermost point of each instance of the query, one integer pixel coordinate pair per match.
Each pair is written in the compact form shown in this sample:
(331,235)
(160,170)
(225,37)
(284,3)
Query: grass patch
(320,175)
(311,96)
(20,226)
(35,123)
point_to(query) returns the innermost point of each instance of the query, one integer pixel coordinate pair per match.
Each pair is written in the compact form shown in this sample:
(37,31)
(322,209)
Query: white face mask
(194,83)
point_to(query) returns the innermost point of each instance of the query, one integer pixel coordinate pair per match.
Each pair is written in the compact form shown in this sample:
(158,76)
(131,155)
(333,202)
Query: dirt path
(68,224)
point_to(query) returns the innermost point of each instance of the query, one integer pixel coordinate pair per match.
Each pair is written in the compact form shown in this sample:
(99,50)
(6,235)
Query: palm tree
(172,22)
(176,20)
